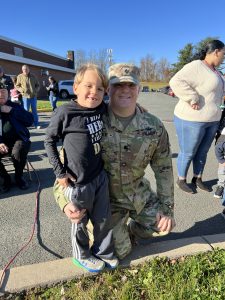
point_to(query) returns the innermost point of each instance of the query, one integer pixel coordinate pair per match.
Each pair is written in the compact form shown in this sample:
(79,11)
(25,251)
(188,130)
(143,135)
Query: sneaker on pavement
(92,264)
(219,192)
(182,184)
(38,127)
(111,263)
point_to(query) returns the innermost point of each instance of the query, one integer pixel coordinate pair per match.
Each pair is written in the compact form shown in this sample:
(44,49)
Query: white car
(66,89)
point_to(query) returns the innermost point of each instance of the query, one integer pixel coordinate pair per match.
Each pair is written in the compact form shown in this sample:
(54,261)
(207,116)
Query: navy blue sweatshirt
(19,119)
(220,149)
(80,130)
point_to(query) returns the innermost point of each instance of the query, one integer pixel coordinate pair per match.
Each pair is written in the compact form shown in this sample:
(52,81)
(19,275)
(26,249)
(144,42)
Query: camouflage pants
(127,222)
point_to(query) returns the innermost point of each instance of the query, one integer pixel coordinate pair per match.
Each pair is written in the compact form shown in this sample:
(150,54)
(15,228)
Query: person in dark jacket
(53,91)
(6,80)
(14,138)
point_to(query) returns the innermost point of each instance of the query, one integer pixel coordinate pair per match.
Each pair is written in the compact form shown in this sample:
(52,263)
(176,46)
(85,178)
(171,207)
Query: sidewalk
(52,272)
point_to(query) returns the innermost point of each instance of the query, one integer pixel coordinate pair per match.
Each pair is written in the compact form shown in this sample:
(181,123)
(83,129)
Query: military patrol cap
(124,73)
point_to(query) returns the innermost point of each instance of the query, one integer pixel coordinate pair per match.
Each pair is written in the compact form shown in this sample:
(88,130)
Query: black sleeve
(9,83)
(55,88)
(54,133)
(20,114)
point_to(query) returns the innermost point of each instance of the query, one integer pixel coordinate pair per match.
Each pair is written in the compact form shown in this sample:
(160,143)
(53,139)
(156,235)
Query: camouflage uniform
(126,153)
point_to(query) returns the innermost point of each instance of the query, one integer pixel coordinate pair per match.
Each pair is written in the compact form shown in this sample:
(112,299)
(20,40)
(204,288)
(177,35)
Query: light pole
(109,52)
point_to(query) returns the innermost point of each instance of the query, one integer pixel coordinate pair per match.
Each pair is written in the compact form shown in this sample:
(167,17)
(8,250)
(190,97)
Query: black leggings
(18,153)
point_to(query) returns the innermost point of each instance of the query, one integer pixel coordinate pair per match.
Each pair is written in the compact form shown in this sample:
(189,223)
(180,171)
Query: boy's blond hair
(80,74)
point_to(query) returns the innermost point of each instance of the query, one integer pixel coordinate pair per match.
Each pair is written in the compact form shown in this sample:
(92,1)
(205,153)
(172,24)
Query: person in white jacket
(200,89)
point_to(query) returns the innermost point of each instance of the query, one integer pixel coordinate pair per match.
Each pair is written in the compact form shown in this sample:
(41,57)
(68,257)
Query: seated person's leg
(19,157)
(5,178)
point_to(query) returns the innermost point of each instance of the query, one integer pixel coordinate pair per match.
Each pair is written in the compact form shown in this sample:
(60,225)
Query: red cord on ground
(33,228)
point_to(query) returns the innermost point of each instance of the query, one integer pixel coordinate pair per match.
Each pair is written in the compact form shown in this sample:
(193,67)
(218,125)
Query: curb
(52,272)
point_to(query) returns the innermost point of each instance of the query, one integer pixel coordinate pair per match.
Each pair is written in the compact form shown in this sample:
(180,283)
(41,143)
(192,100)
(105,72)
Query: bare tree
(99,58)
(163,69)
(103,59)
(80,58)
(148,68)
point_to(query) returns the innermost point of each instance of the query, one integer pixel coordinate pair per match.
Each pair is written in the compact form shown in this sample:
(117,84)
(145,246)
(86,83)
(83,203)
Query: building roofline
(30,47)
(32,62)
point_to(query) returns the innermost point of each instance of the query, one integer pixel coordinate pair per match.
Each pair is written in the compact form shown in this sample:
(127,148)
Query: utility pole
(109,52)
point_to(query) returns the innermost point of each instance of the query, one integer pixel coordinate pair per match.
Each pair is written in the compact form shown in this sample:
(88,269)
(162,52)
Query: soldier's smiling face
(123,94)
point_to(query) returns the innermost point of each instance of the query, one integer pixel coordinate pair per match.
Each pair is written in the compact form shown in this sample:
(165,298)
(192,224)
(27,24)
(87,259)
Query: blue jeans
(53,100)
(195,139)
(31,102)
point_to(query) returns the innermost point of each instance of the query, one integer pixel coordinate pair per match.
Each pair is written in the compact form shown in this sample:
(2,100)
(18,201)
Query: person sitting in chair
(14,139)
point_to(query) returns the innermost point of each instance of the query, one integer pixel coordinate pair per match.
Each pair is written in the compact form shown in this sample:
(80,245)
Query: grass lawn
(45,105)
(154,85)
(200,277)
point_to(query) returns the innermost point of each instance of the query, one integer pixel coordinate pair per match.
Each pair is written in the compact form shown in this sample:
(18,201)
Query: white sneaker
(111,263)
(38,127)
(92,264)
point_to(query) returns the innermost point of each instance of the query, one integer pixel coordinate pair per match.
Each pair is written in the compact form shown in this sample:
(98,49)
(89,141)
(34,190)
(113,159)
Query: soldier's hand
(65,181)
(6,109)
(73,213)
(3,148)
(164,223)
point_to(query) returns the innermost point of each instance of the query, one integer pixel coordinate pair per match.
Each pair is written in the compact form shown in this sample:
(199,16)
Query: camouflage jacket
(127,152)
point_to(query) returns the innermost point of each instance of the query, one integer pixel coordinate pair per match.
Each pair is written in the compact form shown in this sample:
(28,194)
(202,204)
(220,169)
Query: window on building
(18,51)
(44,72)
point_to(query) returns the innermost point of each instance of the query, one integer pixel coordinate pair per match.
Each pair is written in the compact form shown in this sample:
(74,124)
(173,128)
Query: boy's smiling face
(90,90)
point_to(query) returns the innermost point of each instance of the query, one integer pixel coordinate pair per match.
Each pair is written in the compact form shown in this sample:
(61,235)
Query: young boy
(81,178)
(220,155)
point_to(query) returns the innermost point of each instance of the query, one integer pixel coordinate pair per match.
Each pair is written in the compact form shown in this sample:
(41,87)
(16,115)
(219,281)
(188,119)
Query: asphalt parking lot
(196,215)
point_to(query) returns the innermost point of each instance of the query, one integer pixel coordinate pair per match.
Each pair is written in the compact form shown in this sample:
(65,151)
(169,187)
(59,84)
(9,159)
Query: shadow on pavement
(46,177)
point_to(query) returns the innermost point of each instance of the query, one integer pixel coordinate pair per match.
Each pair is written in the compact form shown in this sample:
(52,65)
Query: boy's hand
(73,213)
(65,180)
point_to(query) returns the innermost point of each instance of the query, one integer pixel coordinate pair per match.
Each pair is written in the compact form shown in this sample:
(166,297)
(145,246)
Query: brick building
(42,64)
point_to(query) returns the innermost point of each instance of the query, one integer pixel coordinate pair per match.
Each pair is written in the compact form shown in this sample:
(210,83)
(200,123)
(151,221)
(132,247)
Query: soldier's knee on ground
(143,232)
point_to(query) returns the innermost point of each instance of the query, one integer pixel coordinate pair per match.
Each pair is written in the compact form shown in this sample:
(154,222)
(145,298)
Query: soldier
(132,139)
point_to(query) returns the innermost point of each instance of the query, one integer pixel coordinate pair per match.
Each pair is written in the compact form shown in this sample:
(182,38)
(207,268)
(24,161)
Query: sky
(132,29)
